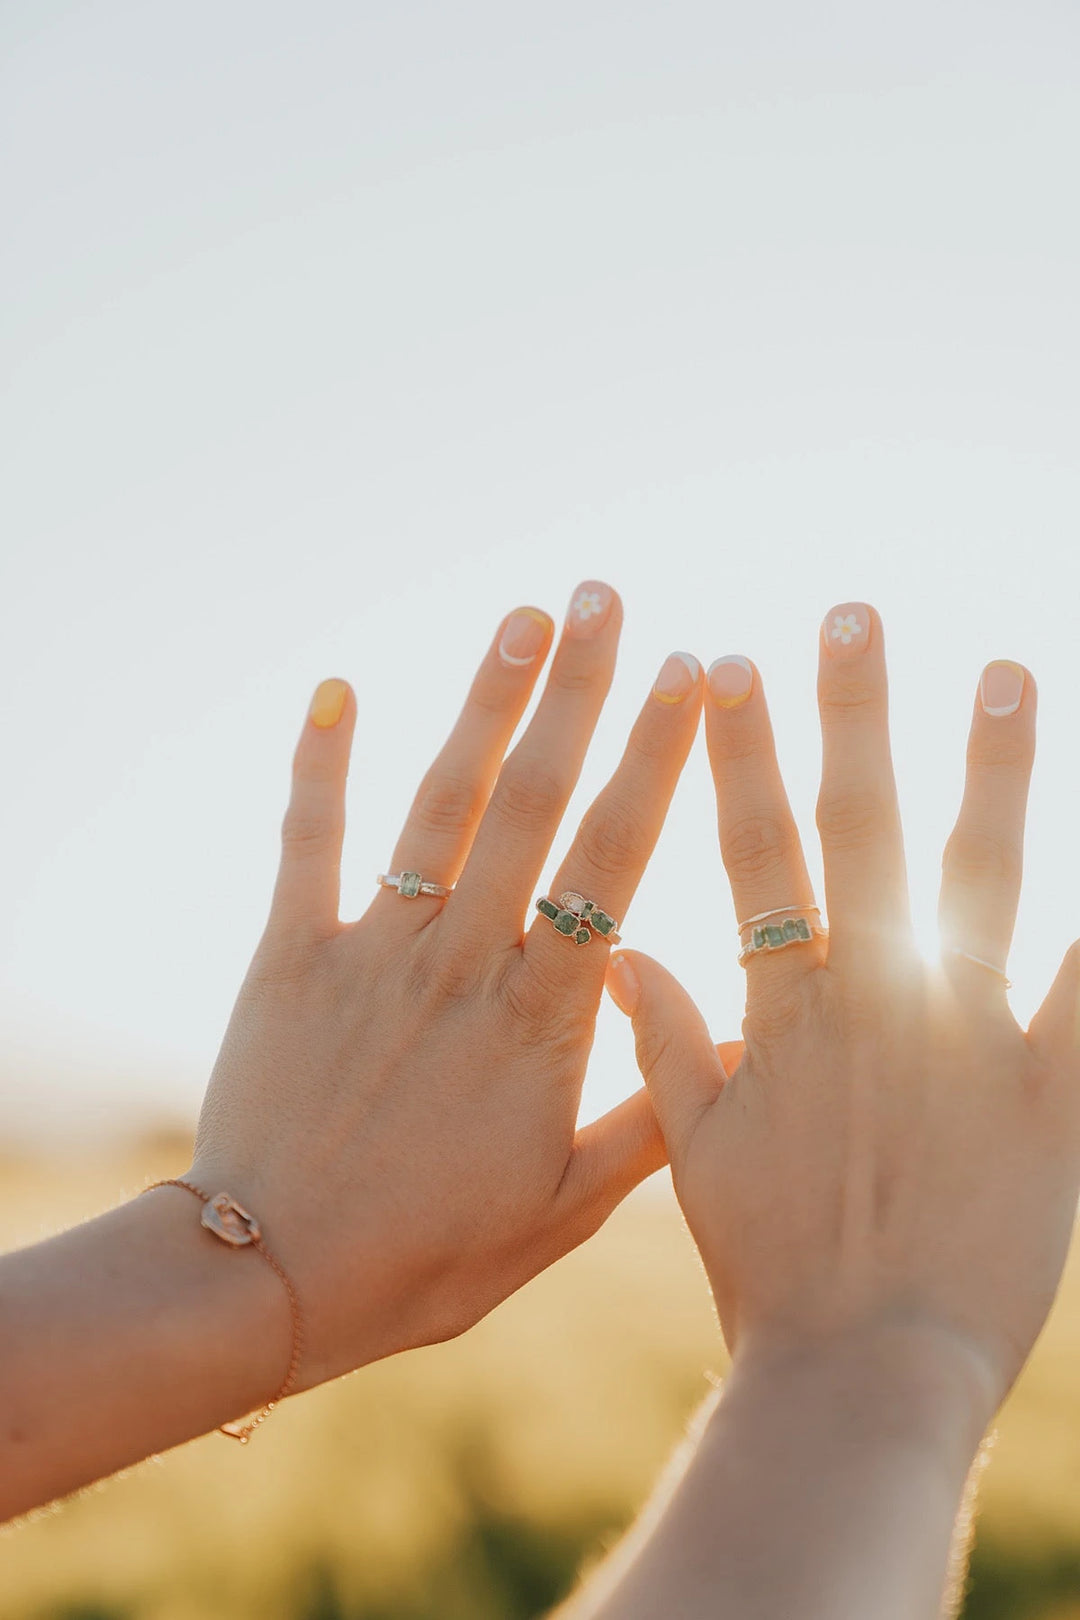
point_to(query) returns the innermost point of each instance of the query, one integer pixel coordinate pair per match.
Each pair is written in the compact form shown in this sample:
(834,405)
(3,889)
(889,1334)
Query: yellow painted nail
(328,703)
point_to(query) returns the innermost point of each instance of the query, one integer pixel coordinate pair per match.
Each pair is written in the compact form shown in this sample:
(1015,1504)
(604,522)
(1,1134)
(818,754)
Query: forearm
(822,1486)
(126,1336)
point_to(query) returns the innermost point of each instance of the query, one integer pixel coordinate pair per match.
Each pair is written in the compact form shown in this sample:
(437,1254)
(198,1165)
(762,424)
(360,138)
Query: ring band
(775,912)
(578,918)
(778,936)
(981,962)
(410,884)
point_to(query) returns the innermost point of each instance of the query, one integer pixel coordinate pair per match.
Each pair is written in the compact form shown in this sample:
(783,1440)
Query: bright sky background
(332,331)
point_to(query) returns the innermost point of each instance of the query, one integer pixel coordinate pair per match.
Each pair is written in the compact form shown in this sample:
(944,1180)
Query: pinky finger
(308,889)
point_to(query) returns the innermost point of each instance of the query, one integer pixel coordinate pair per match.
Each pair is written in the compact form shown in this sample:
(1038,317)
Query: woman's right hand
(893,1159)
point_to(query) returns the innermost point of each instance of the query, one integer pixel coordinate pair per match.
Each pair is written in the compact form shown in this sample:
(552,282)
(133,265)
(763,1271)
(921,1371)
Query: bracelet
(230,1222)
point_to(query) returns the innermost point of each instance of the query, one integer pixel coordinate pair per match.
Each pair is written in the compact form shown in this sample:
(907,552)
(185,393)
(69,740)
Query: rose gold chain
(244,1431)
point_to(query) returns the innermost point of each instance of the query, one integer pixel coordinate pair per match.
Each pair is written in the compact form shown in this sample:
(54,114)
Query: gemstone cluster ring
(578,918)
(410,884)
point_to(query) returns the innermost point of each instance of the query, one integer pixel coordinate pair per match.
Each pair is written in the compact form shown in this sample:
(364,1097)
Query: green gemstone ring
(578,918)
(410,884)
(778,936)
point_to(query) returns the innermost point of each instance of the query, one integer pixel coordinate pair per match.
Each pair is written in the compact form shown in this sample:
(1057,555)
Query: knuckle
(654,1045)
(756,846)
(446,804)
(973,858)
(534,998)
(570,675)
(1008,755)
(529,796)
(851,695)
(852,820)
(303,830)
(612,840)
(773,1018)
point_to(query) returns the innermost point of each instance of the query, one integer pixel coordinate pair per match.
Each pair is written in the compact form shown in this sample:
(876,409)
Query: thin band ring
(775,912)
(410,884)
(980,961)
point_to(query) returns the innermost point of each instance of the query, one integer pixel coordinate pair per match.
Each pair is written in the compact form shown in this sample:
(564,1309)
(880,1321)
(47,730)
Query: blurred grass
(472,1481)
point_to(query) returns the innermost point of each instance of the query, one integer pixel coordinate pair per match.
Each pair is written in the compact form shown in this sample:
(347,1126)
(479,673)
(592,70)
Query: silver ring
(775,912)
(578,918)
(981,962)
(410,884)
(778,936)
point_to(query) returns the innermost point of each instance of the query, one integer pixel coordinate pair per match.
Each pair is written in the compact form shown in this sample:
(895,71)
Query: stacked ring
(776,937)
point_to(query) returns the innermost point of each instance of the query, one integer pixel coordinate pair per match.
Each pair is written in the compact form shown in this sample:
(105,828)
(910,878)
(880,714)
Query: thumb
(1054,1032)
(675,1052)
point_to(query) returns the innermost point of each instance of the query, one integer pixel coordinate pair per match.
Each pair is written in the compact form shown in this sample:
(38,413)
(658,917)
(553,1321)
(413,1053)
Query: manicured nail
(677,678)
(623,984)
(731,680)
(328,703)
(1001,688)
(847,630)
(589,608)
(525,634)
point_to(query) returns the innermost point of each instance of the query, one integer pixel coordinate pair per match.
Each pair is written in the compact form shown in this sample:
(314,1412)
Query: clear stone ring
(410,884)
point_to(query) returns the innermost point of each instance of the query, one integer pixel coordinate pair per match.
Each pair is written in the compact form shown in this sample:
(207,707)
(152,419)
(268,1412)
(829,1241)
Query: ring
(778,936)
(775,912)
(410,884)
(981,962)
(578,918)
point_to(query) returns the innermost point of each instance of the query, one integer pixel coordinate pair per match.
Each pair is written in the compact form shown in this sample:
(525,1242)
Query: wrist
(220,1312)
(913,1381)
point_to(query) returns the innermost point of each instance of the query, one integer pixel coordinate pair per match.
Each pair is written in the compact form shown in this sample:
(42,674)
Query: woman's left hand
(396,1098)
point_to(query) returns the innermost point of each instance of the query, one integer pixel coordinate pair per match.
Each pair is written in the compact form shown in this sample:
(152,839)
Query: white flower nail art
(588,604)
(846,628)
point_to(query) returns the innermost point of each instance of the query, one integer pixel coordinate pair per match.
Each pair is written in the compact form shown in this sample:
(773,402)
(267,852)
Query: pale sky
(331,332)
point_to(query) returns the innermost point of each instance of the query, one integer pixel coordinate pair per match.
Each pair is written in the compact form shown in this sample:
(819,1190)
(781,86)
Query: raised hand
(882,1182)
(892,1147)
(397,1097)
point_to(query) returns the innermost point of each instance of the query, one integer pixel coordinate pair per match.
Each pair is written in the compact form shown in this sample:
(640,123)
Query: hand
(396,1098)
(892,1155)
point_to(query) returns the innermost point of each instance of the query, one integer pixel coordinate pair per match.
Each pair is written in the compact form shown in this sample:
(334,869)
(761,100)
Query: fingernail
(1001,688)
(677,678)
(525,634)
(328,703)
(624,986)
(847,630)
(731,680)
(589,608)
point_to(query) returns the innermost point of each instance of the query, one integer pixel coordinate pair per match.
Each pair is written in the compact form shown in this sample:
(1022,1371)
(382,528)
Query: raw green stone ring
(777,936)
(578,918)
(410,884)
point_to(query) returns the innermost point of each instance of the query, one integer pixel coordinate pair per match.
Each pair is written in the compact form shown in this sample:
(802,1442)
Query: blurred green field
(472,1481)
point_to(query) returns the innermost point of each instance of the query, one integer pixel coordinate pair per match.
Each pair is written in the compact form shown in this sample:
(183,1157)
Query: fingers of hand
(535,784)
(983,859)
(858,814)
(680,1065)
(759,841)
(307,891)
(450,801)
(606,860)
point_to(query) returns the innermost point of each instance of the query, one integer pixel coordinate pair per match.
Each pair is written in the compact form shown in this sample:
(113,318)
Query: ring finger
(759,841)
(619,831)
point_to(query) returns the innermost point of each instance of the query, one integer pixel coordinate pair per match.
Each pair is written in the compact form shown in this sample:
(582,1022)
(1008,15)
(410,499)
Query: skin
(882,1184)
(395,1099)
